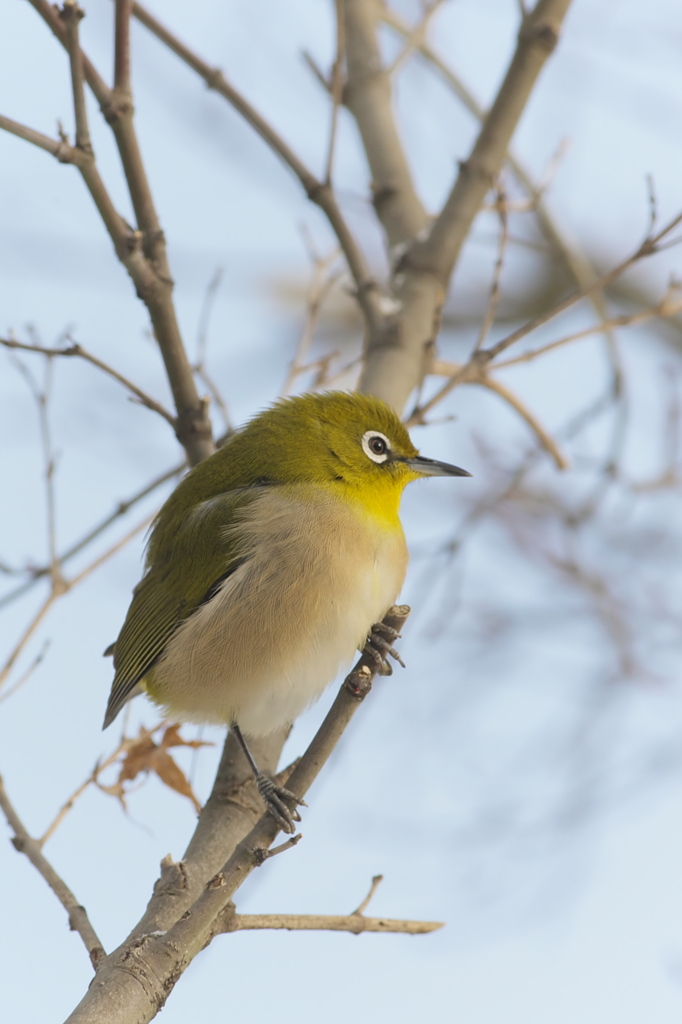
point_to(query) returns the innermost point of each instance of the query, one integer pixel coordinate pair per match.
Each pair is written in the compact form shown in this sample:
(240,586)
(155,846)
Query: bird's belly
(279,629)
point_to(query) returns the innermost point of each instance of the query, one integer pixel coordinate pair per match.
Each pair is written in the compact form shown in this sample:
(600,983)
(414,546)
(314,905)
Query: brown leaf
(172,775)
(143,755)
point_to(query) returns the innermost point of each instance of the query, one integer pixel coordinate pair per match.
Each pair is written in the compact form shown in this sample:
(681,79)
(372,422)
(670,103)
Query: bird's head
(339,438)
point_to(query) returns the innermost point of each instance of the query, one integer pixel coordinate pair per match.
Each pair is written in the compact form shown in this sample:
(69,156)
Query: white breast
(318,574)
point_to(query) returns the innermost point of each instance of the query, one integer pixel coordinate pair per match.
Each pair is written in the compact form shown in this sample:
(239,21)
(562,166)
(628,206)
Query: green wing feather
(185,564)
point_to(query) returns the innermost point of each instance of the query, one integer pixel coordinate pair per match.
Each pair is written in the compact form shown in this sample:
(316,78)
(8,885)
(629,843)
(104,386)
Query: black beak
(430,467)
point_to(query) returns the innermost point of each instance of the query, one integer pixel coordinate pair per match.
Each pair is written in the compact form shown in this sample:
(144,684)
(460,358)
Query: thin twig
(78,917)
(318,192)
(71,15)
(414,37)
(24,639)
(477,373)
(200,366)
(576,262)
(93,779)
(439,251)
(473,370)
(42,399)
(143,253)
(64,587)
(50,15)
(667,307)
(75,349)
(288,844)
(524,412)
(205,314)
(650,246)
(123,9)
(653,204)
(336,83)
(122,508)
(376,882)
(355,924)
(489,318)
(321,283)
(58,148)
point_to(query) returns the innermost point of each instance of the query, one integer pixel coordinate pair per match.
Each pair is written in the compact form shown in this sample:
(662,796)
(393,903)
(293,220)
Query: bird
(271,563)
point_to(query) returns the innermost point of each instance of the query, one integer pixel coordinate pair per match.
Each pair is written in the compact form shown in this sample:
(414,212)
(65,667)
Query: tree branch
(368,97)
(143,253)
(71,15)
(575,261)
(320,193)
(60,586)
(474,371)
(121,509)
(74,349)
(78,917)
(123,10)
(158,955)
(545,439)
(356,924)
(649,247)
(336,86)
(537,39)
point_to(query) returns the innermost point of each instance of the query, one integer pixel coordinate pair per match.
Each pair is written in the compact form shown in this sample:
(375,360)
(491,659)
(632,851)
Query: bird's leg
(276,798)
(379,647)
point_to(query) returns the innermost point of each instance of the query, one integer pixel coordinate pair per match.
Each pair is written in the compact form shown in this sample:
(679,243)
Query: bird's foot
(281,803)
(379,647)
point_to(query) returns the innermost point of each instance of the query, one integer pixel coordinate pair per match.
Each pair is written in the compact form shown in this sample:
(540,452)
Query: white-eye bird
(269,566)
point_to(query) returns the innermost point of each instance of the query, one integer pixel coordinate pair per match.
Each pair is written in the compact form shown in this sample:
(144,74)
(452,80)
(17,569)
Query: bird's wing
(197,557)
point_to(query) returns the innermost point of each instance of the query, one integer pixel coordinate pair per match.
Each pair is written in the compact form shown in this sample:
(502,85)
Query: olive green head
(336,437)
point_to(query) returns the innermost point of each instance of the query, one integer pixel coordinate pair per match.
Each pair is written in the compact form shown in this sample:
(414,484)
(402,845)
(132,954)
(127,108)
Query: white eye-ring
(376,446)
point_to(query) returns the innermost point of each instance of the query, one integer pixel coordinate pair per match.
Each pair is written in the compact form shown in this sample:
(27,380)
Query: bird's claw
(379,647)
(281,803)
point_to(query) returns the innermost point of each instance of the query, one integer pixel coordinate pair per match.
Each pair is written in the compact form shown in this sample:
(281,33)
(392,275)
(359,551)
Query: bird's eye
(376,446)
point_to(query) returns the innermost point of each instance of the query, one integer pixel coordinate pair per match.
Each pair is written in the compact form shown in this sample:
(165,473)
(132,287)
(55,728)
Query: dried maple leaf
(143,755)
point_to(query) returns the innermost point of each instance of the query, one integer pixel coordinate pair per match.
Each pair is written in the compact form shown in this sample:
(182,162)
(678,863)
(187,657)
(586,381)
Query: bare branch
(74,349)
(376,882)
(494,299)
(537,39)
(71,15)
(321,283)
(57,147)
(51,17)
(317,191)
(577,264)
(142,253)
(545,439)
(163,956)
(336,91)
(474,372)
(62,587)
(78,917)
(414,37)
(42,399)
(355,924)
(200,367)
(123,10)
(19,646)
(122,508)
(650,246)
(368,97)
(670,305)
